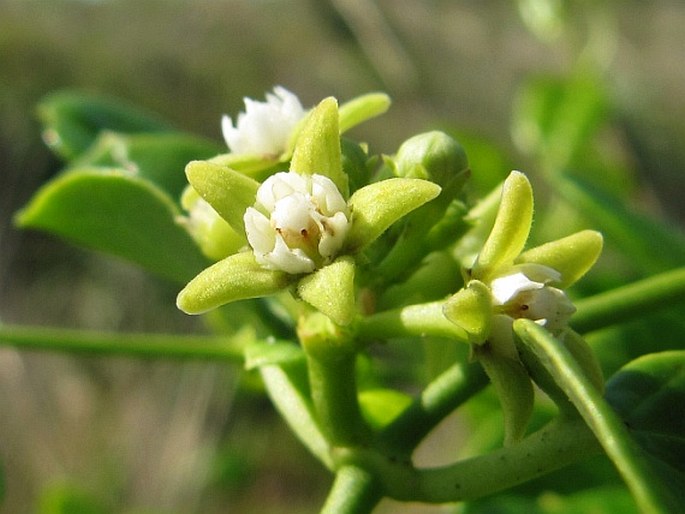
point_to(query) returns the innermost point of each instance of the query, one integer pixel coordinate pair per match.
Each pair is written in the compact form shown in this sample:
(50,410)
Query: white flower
(525,293)
(264,128)
(298,223)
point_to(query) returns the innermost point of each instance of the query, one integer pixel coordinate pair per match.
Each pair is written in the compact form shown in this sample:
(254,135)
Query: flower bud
(433,156)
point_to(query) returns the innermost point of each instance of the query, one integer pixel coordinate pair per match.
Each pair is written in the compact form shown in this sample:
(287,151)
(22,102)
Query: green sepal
(471,309)
(111,211)
(362,108)
(72,120)
(236,277)
(229,192)
(572,256)
(317,149)
(157,157)
(215,237)
(514,389)
(331,290)
(510,231)
(377,206)
(258,167)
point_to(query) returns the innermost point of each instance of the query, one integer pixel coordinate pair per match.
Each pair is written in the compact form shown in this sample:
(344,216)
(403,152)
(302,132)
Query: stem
(550,448)
(334,393)
(629,459)
(139,345)
(355,491)
(444,394)
(419,320)
(627,302)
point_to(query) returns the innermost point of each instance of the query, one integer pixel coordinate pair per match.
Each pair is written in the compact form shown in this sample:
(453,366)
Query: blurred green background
(169,437)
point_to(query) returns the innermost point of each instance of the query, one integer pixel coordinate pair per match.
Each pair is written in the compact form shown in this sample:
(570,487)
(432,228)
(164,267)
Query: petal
(377,206)
(572,256)
(511,228)
(237,277)
(229,192)
(331,290)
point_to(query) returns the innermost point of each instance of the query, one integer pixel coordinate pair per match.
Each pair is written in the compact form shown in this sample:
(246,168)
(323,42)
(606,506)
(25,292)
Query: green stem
(631,462)
(139,345)
(631,301)
(554,446)
(419,320)
(444,394)
(355,491)
(334,394)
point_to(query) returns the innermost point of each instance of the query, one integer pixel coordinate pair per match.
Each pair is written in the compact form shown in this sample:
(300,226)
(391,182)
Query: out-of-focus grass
(142,436)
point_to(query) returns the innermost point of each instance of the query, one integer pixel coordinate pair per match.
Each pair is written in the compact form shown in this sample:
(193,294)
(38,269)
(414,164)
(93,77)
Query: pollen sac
(298,223)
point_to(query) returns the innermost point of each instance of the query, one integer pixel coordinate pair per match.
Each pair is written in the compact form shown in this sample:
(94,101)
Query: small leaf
(110,211)
(362,108)
(237,277)
(471,309)
(377,206)
(381,406)
(159,158)
(317,149)
(512,225)
(229,192)
(572,256)
(72,121)
(331,290)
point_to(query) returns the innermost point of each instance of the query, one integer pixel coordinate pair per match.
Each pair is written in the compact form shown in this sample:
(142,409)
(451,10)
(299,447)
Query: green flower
(300,228)
(505,284)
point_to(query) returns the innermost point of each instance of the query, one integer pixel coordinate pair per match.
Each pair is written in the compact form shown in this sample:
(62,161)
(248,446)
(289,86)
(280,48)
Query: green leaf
(317,149)
(377,206)
(69,499)
(510,231)
(331,290)
(635,234)
(72,121)
(229,192)
(639,471)
(362,108)
(111,211)
(160,158)
(649,395)
(237,277)
(382,406)
(572,256)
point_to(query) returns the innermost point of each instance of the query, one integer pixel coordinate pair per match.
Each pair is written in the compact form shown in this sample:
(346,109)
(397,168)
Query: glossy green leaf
(649,395)
(72,121)
(317,149)
(237,277)
(510,231)
(111,211)
(230,193)
(377,206)
(638,469)
(362,108)
(160,158)
(331,290)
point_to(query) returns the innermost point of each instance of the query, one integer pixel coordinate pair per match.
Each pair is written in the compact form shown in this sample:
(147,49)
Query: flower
(264,128)
(298,222)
